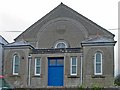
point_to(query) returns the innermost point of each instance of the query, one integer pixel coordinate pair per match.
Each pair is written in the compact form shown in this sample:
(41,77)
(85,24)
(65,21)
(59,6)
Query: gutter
(19,46)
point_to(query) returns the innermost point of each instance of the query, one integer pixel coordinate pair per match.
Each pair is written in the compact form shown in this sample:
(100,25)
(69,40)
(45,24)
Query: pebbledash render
(62,49)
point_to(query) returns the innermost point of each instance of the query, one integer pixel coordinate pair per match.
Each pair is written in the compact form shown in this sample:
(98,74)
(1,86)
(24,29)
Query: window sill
(73,76)
(98,76)
(37,76)
(14,75)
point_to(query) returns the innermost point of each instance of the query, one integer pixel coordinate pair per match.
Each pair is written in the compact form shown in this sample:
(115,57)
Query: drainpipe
(81,76)
(29,65)
(2,66)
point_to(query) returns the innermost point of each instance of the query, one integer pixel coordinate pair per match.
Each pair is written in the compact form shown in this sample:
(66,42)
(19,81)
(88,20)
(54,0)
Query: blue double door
(55,71)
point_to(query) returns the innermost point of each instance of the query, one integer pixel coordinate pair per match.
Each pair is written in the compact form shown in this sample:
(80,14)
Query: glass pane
(16,60)
(98,57)
(73,69)
(60,62)
(61,45)
(38,62)
(16,69)
(53,62)
(98,68)
(37,70)
(74,61)
(16,57)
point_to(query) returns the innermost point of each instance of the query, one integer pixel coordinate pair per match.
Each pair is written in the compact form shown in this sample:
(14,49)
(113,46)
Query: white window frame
(98,62)
(36,66)
(14,56)
(73,74)
(61,42)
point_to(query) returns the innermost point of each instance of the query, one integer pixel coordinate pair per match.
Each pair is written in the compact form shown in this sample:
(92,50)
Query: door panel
(55,71)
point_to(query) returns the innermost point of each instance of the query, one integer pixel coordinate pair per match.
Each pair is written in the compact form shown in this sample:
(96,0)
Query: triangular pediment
(64,11)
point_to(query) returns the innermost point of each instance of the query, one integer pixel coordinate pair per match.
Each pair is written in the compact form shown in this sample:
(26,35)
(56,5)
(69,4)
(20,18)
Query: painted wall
(2,42)
(20,80)
(89,78)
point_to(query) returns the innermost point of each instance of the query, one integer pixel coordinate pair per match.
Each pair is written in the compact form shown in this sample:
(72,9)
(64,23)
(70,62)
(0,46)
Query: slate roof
(3,41)
(64,11)
(98,40)
(20,43)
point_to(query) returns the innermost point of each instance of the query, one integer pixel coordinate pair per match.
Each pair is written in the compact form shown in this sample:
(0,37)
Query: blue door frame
(55,71)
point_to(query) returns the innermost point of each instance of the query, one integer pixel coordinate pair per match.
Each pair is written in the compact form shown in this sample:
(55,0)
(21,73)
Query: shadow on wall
(3,84)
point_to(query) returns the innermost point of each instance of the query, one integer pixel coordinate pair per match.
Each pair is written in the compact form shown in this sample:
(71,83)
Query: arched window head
(61,45)
(98,63)
(16,64)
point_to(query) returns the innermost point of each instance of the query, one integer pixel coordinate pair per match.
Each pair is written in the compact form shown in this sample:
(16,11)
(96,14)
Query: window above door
(61,44)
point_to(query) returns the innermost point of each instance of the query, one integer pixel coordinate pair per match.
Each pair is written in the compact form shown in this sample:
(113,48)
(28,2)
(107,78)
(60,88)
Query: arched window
(61,45)
(98,63)
(16,64)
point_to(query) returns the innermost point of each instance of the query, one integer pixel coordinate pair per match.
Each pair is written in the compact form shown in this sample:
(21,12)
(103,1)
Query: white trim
(61,42)
(14,64)
(81,76)
(97,62)
(29,69)
(72,65)
(35,66)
